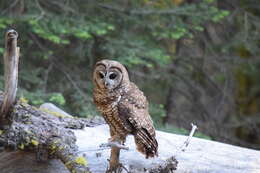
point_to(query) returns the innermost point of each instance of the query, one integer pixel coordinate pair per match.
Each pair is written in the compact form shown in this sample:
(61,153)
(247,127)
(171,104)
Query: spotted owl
(123,106)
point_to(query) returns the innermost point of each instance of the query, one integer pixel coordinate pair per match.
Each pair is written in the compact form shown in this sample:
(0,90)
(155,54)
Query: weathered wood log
(24,127)
(11,59)
(44,134)
(201,156)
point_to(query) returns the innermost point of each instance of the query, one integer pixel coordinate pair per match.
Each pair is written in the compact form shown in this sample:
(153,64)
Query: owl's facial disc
(100,75)
(107,77)
(113,79)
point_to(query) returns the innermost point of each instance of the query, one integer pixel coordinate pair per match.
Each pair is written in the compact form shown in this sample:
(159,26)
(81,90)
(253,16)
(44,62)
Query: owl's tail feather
(146,143)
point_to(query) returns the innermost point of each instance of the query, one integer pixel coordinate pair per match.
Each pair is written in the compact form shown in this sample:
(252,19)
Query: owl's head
(110,75)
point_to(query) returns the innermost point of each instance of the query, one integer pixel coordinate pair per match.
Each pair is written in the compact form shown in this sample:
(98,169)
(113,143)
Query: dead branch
(187,142)
(11,59)
(114,144)
(170,164)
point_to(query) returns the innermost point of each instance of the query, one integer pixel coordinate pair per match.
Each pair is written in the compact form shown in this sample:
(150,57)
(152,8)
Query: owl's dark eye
(101,75)
(112,76)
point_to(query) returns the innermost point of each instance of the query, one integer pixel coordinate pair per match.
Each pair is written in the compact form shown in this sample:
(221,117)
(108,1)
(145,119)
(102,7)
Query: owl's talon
(115,168)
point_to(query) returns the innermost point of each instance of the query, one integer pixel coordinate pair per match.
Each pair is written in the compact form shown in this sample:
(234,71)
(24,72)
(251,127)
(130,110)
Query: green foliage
(157,112)
(35,98)
(1,51)
(173,129)
(38,97)
(57,98)
(219,14)
(5,22)
(60,42)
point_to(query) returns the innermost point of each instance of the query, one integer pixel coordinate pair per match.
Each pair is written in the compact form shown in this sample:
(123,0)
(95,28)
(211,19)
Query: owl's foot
(114,139)
(116,167)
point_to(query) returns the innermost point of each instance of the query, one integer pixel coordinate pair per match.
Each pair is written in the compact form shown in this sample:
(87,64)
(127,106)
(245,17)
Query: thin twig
(68,76)
(105,146)
(41,9)
(114,144)
(10,7)
(46,77)
(187,142)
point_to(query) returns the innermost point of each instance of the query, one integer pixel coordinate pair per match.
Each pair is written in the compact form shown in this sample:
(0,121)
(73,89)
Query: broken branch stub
(11,59)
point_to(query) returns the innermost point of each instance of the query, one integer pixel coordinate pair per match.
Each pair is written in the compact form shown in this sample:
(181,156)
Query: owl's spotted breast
(109,111)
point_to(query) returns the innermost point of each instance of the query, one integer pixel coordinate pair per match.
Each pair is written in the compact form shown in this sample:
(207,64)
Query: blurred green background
(196,60)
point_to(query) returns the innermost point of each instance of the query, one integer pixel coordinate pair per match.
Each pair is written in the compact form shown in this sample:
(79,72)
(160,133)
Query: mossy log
(24,127)
(44,134)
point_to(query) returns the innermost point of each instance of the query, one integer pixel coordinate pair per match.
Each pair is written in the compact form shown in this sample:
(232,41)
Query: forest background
(196,60)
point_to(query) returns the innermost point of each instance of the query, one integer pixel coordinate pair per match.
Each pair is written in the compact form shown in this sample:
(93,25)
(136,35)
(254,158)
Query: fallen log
(24,127)
(201,156)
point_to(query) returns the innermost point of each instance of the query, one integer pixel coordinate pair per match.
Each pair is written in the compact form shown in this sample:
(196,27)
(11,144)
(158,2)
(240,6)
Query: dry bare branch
(114,144)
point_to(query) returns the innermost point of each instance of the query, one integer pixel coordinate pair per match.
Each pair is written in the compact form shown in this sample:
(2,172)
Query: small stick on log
(187,142)
(11,59)
(170,164)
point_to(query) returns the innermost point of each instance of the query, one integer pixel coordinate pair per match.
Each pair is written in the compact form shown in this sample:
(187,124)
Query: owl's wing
(133,110)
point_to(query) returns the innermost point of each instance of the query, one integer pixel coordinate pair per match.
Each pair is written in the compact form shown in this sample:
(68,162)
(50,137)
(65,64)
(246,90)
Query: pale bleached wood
(201,156)
(11,60)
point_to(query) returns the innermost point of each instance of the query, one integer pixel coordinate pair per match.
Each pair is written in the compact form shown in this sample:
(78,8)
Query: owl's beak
(108,85)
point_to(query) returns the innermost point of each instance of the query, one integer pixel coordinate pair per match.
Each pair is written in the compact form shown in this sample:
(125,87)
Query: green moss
(28,132)
(173,129)
(57,114)
(81,161)
(68,164)
(53,149)
(1,132)
(34,142)
(23,100)
(21,146)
